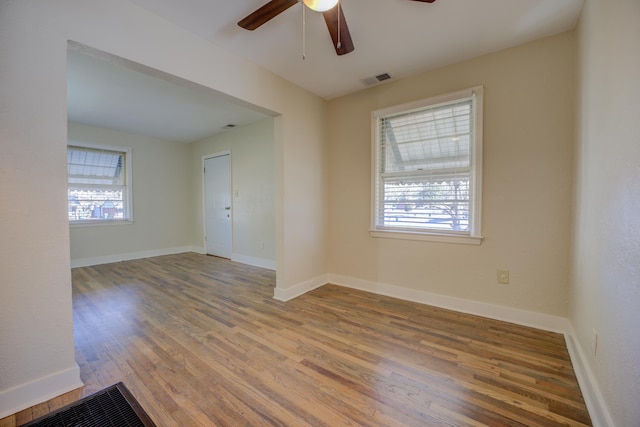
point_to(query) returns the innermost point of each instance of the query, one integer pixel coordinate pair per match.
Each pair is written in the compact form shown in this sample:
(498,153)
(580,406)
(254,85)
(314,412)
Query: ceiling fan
(331,10)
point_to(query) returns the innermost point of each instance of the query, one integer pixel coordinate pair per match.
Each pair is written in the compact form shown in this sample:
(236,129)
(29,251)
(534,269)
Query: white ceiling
(399,37)
(111,93)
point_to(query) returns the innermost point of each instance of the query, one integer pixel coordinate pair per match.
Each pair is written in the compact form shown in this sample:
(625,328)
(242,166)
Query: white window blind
(97,184)
(427,167)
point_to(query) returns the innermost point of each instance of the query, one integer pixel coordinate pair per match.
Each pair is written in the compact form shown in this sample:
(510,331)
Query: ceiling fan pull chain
(304,32)
(339,44)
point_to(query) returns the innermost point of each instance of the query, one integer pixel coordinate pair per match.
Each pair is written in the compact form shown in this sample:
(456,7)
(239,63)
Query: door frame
(204,195)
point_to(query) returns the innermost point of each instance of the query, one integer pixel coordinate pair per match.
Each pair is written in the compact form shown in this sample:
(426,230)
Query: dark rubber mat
(114,406)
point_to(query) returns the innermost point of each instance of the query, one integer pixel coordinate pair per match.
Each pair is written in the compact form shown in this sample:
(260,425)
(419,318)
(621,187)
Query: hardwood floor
(200,341)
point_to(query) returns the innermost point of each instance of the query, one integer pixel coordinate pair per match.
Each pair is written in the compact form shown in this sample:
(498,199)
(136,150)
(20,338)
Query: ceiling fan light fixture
(320,5)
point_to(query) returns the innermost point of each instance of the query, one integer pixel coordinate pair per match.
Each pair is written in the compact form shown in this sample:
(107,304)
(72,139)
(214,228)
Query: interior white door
(217,189)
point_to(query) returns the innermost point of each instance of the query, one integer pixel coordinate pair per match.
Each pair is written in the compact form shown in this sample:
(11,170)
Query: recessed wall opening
(167,124)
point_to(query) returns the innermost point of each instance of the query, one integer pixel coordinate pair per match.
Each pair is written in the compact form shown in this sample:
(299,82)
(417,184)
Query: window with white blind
(427,169)
(99,184)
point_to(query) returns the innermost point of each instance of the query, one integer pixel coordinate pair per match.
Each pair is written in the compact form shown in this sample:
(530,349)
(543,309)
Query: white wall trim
(199,250)
(543,321)
(32,393)
(107,259)
(600,415)
(255,261)
(300,289)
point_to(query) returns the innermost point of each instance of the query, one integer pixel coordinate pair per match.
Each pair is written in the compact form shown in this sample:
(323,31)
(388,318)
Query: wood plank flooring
(200,341)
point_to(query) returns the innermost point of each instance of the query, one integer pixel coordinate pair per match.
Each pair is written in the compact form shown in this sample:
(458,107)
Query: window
(427,169)
(99,184)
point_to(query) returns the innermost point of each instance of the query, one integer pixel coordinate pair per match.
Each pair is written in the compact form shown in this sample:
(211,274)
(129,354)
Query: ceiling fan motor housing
(320,5)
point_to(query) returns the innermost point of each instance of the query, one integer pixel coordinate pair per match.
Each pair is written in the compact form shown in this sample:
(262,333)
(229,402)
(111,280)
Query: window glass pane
(97,184)
(438,203)
(426,168)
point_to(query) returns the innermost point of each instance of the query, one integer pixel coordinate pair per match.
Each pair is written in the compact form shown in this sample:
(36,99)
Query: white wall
(36,335)
(605,286)
(528,141)
(253,188)
(36,356)
(162,200)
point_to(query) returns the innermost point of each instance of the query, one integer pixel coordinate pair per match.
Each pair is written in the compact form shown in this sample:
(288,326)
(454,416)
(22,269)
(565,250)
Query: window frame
(474,235)
(128,199)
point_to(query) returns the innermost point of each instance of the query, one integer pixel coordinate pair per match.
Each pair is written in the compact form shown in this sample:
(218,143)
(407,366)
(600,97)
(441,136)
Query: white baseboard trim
(32,393)
(256,262)
(600,415)
(542,321)
(301,288)
(107,259)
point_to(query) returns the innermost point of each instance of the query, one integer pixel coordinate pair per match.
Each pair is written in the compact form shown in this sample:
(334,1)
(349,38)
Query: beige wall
(162,199)
(253,190)
(528,137)
(36,356)
(322,158)
(605,287)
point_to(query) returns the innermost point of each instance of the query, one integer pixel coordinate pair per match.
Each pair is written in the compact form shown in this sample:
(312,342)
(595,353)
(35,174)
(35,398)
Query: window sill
(427,237)
(99,223)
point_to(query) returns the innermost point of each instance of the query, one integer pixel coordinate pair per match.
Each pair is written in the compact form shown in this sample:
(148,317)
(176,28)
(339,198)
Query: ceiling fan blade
(331,18)
(266,13)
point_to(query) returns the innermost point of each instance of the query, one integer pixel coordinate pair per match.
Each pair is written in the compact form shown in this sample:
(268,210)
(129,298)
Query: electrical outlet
(594,342)
(503,277)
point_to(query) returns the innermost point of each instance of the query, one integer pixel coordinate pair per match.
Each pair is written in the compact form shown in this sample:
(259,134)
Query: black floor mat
(114,406)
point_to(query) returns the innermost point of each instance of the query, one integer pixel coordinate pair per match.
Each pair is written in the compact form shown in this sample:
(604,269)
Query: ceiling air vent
(369,81)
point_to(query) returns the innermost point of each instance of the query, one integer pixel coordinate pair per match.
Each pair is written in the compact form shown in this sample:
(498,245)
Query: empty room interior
(425,216)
